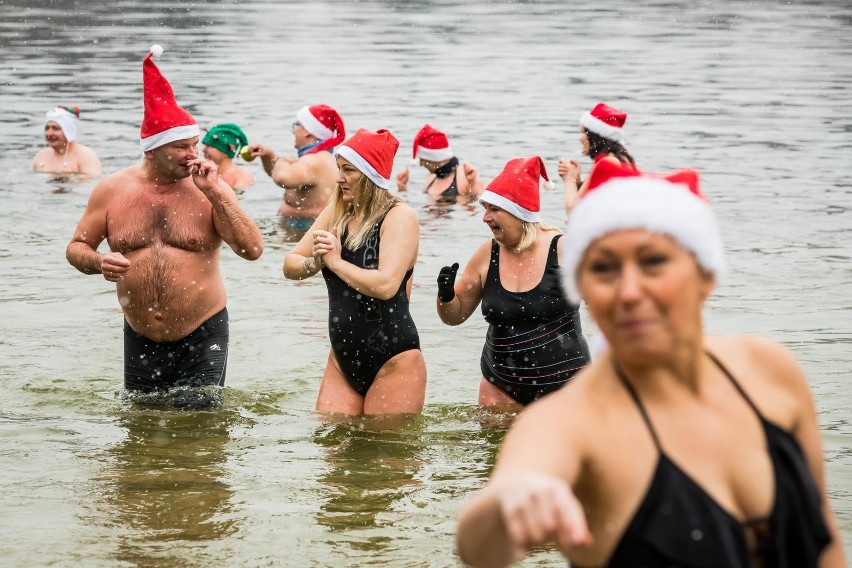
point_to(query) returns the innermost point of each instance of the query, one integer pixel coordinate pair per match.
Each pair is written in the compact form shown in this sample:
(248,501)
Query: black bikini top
(679,524)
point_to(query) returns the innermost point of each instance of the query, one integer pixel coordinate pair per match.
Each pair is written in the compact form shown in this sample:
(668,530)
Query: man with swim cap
(310,177)
(165,220)
(64,155)
(221,144)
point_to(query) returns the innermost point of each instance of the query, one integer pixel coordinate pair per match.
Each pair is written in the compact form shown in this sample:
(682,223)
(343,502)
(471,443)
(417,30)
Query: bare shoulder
(86,151)
(767,370)
(757,353)
(402,213)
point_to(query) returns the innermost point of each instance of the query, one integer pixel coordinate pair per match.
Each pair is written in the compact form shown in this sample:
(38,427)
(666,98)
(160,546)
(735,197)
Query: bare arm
(569,171)
(82,252)
(300,262)
(528,501)
(468,288)
(232,223)
(400,239)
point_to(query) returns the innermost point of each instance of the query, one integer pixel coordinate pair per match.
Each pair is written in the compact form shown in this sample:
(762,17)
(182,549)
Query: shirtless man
(448,179)
(165,220)
(64,155)
(309,178)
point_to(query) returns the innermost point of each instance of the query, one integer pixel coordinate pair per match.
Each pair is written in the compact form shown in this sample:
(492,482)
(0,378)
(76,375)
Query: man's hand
(114,266)
(205,174)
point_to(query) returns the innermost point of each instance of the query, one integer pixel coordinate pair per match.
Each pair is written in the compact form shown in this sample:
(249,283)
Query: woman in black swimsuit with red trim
(674,449)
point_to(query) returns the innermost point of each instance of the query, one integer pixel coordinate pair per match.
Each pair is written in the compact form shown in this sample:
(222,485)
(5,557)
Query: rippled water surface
(754,94)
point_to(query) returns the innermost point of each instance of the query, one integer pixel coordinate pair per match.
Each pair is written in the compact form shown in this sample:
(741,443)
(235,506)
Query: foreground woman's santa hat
(620,197)
(164,120)
(372,153)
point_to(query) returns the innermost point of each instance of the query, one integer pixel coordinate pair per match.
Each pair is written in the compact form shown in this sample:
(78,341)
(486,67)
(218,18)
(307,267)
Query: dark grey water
(755,94)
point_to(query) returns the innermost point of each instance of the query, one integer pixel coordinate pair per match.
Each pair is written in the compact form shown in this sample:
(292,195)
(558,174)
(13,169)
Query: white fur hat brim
(648,203)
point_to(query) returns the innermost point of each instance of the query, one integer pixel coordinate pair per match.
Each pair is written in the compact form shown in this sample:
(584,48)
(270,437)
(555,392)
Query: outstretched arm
(528,500)
(232,223)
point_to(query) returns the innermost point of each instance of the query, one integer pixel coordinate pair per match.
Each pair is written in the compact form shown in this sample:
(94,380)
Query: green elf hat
(228,138)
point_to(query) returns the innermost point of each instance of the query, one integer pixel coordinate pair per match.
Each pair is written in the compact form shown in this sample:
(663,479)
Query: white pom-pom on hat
(548,185)
(414,162)
(157,50)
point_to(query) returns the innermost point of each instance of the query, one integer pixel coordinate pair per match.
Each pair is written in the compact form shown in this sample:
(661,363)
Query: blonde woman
(365,243)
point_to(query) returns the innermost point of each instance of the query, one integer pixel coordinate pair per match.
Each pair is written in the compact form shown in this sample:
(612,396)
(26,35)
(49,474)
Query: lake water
(754,94)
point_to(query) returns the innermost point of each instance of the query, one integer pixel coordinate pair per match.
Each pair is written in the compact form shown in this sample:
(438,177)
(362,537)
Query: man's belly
(168,293)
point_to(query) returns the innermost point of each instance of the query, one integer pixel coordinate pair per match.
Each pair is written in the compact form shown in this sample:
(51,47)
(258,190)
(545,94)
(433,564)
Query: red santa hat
(323,122)
(164,120)
(372,153)
(605,121)
(620,197)
(431,144)
(515,189)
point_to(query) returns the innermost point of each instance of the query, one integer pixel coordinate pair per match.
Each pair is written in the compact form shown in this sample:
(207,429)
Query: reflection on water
(165,483)
(370,470)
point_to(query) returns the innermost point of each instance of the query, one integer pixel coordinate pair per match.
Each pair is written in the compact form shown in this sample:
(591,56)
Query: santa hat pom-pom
(157,50)
(548,185)
(414,162)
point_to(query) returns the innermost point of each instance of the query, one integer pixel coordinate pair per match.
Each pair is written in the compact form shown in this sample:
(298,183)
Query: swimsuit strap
(635,396)
(736,384)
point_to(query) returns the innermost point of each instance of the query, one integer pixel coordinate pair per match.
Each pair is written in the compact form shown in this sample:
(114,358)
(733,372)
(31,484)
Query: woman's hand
(402,180)
(539,509)
(327,247)
(569,170)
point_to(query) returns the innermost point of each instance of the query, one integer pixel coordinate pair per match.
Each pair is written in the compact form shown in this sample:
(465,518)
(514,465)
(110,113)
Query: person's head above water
(432,145)
(67,118)
(323,124)
(227,137)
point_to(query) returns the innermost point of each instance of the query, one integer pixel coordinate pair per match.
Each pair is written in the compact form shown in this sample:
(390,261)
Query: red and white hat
(620,197)
(431,144)
(323,122)
(515,189)
(372,153)
(164,120)
(605,121)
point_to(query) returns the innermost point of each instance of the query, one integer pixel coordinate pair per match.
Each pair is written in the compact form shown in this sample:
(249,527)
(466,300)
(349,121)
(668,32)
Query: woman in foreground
(365,242)
(675,449)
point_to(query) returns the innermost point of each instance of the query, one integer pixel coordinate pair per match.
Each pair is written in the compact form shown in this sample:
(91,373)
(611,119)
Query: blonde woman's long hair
(529,232)
(371,203)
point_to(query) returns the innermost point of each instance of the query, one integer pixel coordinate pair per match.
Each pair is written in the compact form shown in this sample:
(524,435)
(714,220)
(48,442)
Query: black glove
(446,283)
(552,281)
